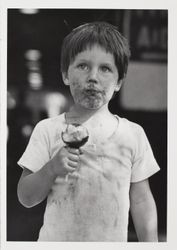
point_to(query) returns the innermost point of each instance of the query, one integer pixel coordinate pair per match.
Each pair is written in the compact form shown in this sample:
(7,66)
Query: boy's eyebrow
(87,61)
(107,64)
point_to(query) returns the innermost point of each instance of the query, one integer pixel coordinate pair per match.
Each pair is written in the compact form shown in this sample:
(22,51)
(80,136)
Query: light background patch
(145,87)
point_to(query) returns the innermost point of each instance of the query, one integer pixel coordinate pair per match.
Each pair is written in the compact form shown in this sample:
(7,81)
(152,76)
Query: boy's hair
(105,35)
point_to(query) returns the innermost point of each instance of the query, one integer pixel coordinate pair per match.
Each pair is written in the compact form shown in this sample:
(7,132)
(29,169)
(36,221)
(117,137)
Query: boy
(113,166)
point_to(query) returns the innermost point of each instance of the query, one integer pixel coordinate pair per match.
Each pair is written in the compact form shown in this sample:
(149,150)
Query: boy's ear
(65,78)
(119,84)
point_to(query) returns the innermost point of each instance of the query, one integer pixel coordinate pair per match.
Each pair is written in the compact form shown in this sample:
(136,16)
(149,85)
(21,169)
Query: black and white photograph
(86,127)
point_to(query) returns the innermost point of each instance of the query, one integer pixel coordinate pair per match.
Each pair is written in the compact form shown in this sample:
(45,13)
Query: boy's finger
(72,165)
(73,150)
(73,157)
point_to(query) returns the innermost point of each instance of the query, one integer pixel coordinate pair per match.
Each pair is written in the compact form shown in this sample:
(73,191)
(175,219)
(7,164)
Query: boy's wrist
(51,170)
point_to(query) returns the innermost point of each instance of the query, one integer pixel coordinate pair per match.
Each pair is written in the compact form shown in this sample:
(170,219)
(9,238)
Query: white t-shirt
(94,206)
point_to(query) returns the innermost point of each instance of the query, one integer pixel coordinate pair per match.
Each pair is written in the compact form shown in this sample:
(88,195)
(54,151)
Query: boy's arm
(33,188)
(143,211)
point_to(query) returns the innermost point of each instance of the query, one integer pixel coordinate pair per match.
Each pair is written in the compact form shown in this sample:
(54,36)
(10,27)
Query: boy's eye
(83,66)
(105,69)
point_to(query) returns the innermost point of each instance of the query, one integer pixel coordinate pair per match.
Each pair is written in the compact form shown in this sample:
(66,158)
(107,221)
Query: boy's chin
(92,106)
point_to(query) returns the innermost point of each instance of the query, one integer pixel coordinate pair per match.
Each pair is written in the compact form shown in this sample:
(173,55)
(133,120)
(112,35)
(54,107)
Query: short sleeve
(36,154)
(144,163)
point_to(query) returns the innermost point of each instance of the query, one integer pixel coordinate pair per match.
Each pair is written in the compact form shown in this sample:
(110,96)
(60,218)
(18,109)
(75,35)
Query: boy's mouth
(92,91)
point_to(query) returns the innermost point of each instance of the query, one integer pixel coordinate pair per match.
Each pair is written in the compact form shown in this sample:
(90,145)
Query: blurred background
(35,91)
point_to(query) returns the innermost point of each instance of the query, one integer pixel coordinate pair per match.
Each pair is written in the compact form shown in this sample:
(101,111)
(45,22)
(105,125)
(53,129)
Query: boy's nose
(93,76)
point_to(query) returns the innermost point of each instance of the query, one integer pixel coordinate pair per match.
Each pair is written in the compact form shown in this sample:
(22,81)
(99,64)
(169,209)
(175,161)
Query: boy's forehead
(96,54)
(94,47)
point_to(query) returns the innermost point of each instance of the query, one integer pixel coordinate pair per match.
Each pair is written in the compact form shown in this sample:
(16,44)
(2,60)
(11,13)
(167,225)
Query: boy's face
(92,77)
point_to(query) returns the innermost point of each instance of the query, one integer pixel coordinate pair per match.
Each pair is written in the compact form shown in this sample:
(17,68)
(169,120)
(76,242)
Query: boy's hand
(65,161)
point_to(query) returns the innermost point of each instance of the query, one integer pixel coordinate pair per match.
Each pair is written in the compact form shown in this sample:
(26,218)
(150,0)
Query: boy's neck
(80,114)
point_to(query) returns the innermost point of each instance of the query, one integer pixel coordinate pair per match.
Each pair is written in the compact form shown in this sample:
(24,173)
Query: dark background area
(43,32)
